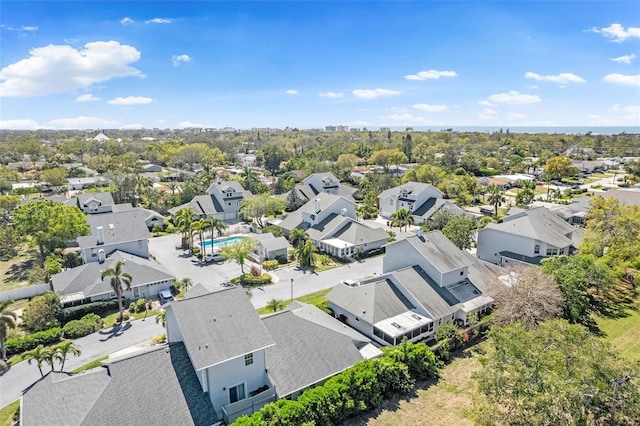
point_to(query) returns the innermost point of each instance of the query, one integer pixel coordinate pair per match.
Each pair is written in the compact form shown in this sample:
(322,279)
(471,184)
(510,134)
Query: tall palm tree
(40,355)
(298,237)
(199,227)
(217,225)
(118,278)
(63,350)
(494,197)
(184,221)
(161,318)
(305,252)
(7,321)
(402,217)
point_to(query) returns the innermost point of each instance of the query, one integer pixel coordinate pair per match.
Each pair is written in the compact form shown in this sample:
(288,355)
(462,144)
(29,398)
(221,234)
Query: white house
(97,202)
(426,282)
(527,237)
(270,247)
(409,196)
(222,200)
(325,182)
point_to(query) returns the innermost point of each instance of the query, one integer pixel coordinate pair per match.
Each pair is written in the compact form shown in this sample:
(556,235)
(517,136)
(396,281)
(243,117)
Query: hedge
(270,264)
(31,341)
(251,280)
(90,323)
(101,308)
(358,389)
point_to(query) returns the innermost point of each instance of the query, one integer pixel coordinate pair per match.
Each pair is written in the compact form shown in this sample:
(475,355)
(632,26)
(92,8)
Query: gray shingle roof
(357,233)
(294,219)
(439,250)
(438,301)
(156,387)
(219,326)
(305,352)
(118,228)
(202,205)
(276,243)
(414,188)
(105,198)
(86,278)
(323,229)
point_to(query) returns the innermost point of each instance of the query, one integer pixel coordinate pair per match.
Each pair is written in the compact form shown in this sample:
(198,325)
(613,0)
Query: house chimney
(316,203)
(219,181)
(101,256)
(100,232)
(419,232)
(343,212)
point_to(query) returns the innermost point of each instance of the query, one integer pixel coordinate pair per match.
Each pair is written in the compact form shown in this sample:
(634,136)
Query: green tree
(261,206)
(41,313)
(304,254)
(199,227)
(348,161)
(402,217)
(460,230)
(495,197)
(7,322)
(40,355)
(297,237)
(62,350)
(50,224)
(558,168)
(557,374)
(387,157)
(216,225)
(238,251)
(293,201)
(532,298)
(273,156)
(9,242)
(184,219)
(117,280)
(56,176)
(275,305)
(586,285)
(161,318)
(526,194)
(440,219)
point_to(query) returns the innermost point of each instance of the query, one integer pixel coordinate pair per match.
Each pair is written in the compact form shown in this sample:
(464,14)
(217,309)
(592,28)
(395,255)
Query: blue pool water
(220,242)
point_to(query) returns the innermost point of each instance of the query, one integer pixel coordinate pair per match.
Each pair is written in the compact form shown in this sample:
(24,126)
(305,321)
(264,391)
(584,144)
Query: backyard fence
(24,293)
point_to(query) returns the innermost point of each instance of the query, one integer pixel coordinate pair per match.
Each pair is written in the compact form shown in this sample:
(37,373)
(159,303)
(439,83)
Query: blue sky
(120,64)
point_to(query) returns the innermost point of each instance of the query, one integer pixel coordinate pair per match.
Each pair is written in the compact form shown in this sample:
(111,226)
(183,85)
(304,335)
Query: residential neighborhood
(264,286)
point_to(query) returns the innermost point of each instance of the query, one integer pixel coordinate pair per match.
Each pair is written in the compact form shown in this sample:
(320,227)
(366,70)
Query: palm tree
(199,226)
(40,354)
(495,197)
(184,221)
(402,217)
(63,350)
(217,225)
(298,237)
(161,318)
(7,321)
(275,305)
(305,252)
(118,278)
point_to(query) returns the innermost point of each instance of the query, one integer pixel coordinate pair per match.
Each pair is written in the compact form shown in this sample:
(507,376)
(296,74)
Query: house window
(461,273)
(236,393)
(248,359)
(391,202)
(536,249)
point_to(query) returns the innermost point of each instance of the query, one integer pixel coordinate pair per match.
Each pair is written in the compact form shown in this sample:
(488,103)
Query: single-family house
(96,202)
(222,200)
(426,282)
(326,182)
(80,183)
(412,196)
(156,387)
(527,237)
(83,284)
(126,231)
(270,247)
(331,223)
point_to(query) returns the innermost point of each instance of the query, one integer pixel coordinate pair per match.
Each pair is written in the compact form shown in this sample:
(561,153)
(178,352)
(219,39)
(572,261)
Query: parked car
(165,296)
(213,258)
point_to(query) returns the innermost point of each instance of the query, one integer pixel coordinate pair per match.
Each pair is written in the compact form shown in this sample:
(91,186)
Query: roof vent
(100,234)
(419,232)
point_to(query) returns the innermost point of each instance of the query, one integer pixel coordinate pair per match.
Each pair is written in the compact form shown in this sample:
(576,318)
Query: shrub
(77,328)
(270,264)
(159,339)
(42,312)
(132,307)
(255,271)
(282,259)
(101,308)
(251,280)
(31,341)
(140,305)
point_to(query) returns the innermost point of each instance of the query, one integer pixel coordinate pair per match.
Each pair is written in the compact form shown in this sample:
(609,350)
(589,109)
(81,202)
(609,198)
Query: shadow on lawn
(19,271)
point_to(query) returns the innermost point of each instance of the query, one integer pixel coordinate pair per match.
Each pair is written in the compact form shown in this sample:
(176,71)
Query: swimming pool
(220,242)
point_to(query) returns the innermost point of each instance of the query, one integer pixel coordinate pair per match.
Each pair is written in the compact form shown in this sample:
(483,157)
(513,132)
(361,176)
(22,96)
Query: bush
(141,305)
(282,259)
(196,251)
(159,339)
(31,341)
(101,308)
(251,280)
(270,264)
(132,307)
(42,312)
(88,324)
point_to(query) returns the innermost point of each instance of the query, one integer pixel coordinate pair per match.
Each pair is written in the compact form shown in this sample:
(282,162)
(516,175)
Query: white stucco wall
(138,248)
(491,242)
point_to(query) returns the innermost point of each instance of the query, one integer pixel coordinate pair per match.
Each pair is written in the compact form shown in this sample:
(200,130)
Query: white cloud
(334,95)
(87,98)
(373,93)
(178,59)
(19,125)
(130,100)
(562,78)
(32,29)
(625,80)
(159,21)
(132,126)
(291,92)
(624,59)
(485,103)
(62,68)
(487,114)
(617,33)
(430,108)
(514,98)
(23,28)
(617,115)
(82,122)
(127,21)
(430,75)
(405,118)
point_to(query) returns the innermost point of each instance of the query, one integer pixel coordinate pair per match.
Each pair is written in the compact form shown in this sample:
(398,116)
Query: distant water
(576,130)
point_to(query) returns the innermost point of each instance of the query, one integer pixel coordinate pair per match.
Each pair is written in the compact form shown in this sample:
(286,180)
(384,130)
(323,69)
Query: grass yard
(313,299)
(14,273)
(623,334)
(93,364)
(447,401)
(7,413)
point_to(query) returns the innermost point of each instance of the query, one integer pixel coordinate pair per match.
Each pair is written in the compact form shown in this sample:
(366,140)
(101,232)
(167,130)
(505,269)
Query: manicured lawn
(110,319)
(623,334)
(6,413)
(90,365)
(313,299)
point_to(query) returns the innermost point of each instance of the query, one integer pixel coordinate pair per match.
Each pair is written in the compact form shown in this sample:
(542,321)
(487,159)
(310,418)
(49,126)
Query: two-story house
(527,238)
(426,282)
(94,203)
(421,199)
(222,200)
(326,182)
